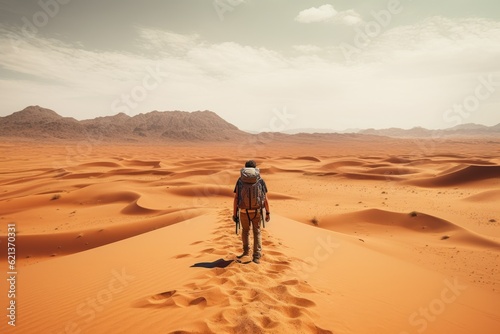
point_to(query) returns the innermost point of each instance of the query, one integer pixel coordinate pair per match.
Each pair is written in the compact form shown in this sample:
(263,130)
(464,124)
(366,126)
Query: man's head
(250,163)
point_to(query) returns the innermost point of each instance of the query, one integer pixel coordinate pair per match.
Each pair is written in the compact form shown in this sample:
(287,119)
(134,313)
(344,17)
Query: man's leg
(245,232)
(257,238)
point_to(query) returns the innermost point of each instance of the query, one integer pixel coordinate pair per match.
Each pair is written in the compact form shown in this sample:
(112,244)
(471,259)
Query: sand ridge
(248,298)
(400,228)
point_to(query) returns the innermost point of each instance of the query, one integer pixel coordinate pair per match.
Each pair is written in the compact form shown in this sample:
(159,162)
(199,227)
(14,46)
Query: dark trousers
(252,219)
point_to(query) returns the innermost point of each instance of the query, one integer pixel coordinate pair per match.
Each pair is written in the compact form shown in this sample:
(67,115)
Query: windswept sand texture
(368,235)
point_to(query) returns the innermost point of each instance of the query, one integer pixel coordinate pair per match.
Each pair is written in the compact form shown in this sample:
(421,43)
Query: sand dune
(308,158)
(439,229)
(361,240)
(485,196)
(203,290)
(413,221)
(41,246)
(461,176)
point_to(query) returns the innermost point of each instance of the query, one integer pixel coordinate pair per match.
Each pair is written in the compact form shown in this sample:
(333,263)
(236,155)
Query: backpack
(250,190)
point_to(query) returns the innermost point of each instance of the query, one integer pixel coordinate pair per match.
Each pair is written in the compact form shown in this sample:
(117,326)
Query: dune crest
(461,176)
(413,221)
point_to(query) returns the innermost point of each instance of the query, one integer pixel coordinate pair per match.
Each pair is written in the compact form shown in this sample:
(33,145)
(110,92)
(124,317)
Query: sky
(262,65)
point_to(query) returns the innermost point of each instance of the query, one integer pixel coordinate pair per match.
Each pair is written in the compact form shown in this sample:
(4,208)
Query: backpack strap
(238,187)
(248,215)
(262,217)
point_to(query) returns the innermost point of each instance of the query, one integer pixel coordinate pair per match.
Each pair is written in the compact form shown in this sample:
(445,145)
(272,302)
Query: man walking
(250,198)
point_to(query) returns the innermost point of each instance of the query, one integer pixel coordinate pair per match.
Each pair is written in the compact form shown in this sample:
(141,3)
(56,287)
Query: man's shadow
(220,263)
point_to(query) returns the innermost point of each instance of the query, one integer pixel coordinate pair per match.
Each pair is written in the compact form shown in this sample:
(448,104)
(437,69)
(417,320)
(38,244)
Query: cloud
(307,48)
(316,14)
(348,17)
(156,39)
(326,13)
(445,45)
(408,73)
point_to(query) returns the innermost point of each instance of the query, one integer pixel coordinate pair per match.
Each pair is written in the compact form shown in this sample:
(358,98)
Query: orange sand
(366,236)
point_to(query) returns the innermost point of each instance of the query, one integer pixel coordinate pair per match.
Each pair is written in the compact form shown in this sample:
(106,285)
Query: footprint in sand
(172,299)
(201,301)
(275,253)
(161,298)
(239,292)
(267,243)
(180,256)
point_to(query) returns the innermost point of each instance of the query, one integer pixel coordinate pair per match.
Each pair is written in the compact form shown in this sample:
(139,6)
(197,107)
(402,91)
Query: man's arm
(266,203)
(235,205)
(235,201)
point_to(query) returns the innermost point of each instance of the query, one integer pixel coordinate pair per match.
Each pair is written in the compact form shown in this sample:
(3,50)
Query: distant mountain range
(319,130)
(469,129)
(35,122)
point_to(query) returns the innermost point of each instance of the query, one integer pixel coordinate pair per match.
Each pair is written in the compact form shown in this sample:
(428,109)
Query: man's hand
(268,217)
(236,219)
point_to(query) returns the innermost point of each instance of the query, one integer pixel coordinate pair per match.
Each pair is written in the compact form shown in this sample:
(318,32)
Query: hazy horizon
(285,131)
(260,65)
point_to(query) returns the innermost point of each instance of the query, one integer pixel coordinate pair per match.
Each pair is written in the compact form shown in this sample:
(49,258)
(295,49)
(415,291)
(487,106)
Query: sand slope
(365,237)
(182,278)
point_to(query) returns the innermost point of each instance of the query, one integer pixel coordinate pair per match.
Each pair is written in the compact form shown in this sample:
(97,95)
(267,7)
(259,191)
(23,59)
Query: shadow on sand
(220,263)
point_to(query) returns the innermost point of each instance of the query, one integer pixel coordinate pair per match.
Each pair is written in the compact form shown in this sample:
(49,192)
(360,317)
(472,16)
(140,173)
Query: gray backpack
(250,189)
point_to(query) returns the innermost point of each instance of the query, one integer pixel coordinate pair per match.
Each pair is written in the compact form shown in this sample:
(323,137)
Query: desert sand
(366,236)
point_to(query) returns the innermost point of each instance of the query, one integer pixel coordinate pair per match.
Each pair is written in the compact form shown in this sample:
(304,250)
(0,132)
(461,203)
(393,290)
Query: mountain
(468,127)
(36,122)
(462,130)
(318,130)
(308,130)
(397,132)
(34,114)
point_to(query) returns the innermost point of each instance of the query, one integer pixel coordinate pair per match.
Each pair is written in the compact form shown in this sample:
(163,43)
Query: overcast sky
(259,64)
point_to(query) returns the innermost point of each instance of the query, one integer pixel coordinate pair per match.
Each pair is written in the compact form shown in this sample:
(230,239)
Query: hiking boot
(242,255)
(256,260)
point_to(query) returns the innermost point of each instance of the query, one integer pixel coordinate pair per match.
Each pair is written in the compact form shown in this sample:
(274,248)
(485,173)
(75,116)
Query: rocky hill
(35,122)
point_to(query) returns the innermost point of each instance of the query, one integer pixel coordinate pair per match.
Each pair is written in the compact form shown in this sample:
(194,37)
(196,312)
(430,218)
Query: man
(250,197)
